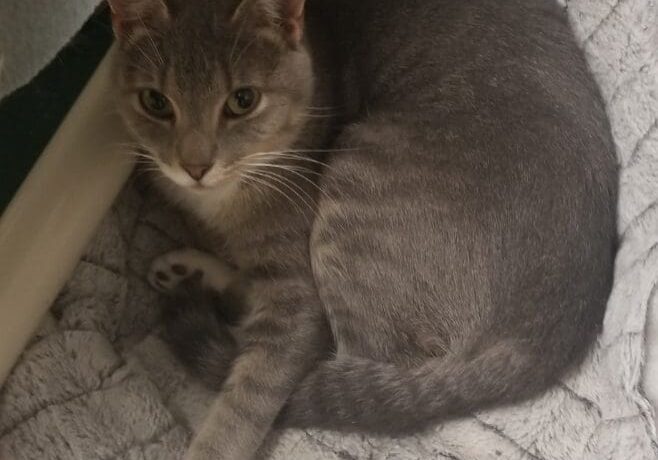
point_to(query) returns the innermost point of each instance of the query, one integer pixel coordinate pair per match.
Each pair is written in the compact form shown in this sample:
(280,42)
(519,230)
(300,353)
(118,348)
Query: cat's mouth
(214,177)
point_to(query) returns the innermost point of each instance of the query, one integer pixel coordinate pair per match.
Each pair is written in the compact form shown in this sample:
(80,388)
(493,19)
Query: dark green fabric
(30,116)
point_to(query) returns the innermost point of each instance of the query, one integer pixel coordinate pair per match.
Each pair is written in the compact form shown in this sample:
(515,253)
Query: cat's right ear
(130,17)
(284,17)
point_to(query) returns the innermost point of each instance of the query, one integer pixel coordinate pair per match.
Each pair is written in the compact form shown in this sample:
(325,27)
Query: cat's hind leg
(200,312)
(199,326)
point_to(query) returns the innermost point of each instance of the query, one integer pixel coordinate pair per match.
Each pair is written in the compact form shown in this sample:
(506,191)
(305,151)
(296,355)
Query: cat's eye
(156,104)
(242,102)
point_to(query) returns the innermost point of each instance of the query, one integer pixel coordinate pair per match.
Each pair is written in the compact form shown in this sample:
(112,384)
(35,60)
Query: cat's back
(492,90)
(445,58)
(483,170)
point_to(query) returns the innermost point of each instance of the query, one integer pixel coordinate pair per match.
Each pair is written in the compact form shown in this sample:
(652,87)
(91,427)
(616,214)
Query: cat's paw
(169,270)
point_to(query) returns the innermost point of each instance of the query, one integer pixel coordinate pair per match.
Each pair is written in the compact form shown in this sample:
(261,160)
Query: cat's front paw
(169,270)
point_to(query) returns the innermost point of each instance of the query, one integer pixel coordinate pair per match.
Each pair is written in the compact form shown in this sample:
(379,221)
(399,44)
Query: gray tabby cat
(410,205)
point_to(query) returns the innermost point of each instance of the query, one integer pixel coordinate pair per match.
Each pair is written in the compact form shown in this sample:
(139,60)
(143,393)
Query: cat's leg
(199,326)
(169,270)
(200,314)
(281,340)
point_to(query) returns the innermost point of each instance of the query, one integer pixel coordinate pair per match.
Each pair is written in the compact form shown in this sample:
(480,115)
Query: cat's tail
(360,394)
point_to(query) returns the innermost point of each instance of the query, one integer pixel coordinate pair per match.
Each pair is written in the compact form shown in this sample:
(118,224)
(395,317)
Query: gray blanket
(97,382)
(31,33)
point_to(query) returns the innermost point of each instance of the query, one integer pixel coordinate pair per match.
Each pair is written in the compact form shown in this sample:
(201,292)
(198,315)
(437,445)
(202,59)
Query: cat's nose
(197,171)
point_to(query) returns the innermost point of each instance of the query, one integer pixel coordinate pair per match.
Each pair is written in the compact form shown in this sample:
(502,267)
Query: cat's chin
(183,181)
(202,188)
(216,188)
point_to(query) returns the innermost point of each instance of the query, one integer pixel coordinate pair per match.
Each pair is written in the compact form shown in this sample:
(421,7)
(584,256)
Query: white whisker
(244,179)
(287,156)
(244,50)
(143,52)
(150,37)
(272,187)
(297,172)
(134,154)
(325,108)
(317,115)
(238,36)
(287,183)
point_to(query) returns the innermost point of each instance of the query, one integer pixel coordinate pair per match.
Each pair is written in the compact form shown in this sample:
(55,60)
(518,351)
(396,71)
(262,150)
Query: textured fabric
(98,383)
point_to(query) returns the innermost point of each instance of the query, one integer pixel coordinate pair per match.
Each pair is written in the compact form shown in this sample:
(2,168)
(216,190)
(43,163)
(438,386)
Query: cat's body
(452,250)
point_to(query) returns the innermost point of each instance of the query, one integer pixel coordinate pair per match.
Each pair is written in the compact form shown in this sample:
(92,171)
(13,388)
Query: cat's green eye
(156,104)
(241,102)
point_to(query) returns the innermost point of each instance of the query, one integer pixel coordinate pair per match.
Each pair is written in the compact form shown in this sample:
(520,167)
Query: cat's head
(207,86)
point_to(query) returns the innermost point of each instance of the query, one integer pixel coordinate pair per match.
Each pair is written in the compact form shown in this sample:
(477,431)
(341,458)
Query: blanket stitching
(613,10)
(587,402)
(494,429)
(640,143)
(87,392)
(342,454)
(153,440)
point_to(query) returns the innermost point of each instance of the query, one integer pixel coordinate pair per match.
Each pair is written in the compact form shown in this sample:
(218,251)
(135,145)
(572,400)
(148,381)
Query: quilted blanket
(97,381)
(31,33)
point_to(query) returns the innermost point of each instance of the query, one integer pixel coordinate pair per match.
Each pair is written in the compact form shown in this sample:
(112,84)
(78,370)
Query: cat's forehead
(218,65)
(194,65)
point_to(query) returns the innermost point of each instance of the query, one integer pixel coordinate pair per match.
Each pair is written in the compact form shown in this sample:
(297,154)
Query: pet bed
(97,382)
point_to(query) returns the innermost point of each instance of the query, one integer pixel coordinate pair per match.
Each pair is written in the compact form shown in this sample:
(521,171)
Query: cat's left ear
(130,17)
(285,16)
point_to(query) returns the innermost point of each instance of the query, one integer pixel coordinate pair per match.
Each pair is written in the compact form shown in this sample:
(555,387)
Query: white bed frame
(55,213)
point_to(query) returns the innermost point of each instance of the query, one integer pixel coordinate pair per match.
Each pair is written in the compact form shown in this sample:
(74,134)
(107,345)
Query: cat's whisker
(298,167)
(322,108)
(288,156)
(346,149)
(261,181)
(146,56)
(137,155)
(267,179)
(313,115)
(289,167)
(290,185)
(132,145)
(238,36)
(336,179)
(299,172)
(243,179)
(130,148)
(311,198)
(142,51)
(134,148)
(135,160)
(242,52)
(143,171)
(149,164)
(292,151)
(153,45)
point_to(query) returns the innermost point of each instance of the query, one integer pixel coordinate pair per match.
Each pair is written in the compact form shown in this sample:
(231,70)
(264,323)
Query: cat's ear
(285,17)
(132,16)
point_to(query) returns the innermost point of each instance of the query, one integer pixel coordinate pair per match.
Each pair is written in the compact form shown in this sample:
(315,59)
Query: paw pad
(167,272)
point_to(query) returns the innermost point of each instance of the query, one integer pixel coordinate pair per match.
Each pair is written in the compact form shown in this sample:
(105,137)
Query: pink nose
(196,172)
